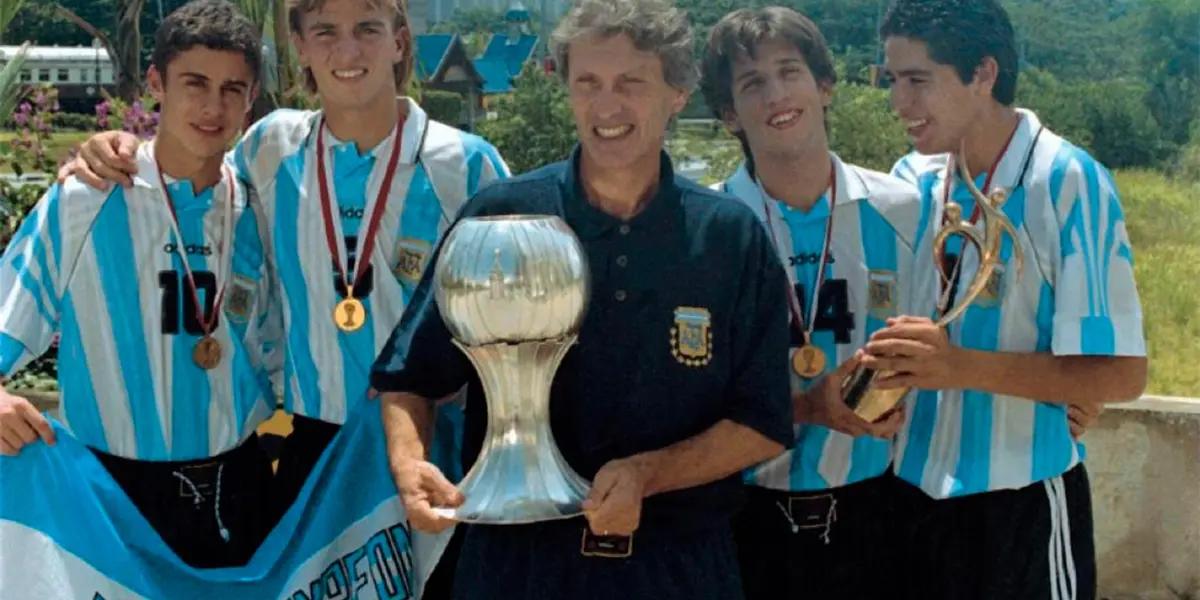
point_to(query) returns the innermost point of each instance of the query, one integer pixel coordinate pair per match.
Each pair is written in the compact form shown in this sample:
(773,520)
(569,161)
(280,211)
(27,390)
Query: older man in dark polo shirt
(662,436)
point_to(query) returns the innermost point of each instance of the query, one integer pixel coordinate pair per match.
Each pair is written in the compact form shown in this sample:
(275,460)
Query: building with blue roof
(507,53)
(442,63)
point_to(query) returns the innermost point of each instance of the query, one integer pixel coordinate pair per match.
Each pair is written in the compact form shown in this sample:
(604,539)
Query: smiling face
(621,101)
(937,108)
(777,103)
(204,95)
(351,48)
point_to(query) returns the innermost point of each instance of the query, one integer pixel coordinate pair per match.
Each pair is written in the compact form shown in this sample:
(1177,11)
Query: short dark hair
(960,33)
(214,24)
(740,33)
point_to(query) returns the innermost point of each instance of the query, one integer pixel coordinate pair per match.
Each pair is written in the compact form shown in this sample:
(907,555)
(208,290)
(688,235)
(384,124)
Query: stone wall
(1144,462)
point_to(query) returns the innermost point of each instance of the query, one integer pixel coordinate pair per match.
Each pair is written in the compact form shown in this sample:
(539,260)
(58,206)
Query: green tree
(10,84)
(533,125)
(1171,63)
(863,128)
(442,106)
(1057,105)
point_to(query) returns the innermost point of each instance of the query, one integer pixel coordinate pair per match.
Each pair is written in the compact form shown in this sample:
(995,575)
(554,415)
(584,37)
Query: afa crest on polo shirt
(691,336)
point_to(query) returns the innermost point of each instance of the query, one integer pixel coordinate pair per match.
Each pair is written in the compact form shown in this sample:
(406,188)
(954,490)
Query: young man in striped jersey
(1003,508)
(368,175)
(818,519)
(162,296)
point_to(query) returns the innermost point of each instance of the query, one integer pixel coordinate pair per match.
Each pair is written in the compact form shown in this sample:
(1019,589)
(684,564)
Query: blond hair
(399,9)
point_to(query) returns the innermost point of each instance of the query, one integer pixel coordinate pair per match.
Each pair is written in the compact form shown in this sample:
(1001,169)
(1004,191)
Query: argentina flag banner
(68,531)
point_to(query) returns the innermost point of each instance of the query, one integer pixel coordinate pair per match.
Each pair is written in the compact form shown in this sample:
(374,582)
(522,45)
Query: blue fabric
(346,531)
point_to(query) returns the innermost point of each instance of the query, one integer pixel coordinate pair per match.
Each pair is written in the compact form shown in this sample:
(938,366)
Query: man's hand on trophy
(423,489)
(1081,417)
(914,352)
(822,404)
(105,157)
(614,505)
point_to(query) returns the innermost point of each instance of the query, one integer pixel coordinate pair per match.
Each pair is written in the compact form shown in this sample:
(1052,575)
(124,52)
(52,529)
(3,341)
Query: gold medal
(207,353)
(808,361)
(350,314)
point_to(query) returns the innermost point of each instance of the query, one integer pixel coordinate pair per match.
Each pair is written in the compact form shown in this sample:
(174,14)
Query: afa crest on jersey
(881,294)
(413,255)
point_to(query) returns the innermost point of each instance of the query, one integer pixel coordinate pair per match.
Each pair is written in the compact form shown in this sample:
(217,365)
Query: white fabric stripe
(151,235)
(1061,485)
(387,302)
(96,335)
(316,263)
(1052,543)
(222,407)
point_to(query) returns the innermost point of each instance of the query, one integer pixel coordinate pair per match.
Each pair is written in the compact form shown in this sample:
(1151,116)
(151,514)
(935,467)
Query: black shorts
(1034,543)
(212,512)
(298,455)
(833,544)
(546,561)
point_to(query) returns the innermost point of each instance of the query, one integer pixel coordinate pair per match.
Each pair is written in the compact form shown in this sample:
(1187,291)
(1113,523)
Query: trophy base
(517,513)
(516,482)
(876,403)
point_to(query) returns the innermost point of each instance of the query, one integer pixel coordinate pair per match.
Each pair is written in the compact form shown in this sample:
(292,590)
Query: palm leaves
(10,76)
(10,82)
(8,10)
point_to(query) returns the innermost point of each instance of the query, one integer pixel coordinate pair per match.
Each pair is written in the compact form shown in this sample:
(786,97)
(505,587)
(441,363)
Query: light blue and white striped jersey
(912,165)
(868,279)
(439,169)
(101,269)
(1074,297)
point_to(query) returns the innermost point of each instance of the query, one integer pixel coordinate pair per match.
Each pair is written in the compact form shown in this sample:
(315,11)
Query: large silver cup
(513,291)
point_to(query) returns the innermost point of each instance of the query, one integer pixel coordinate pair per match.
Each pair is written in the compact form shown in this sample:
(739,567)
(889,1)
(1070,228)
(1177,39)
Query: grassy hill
(1163,217)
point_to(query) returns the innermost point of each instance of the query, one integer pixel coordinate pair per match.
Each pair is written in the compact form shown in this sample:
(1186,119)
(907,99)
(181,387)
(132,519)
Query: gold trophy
(860,395)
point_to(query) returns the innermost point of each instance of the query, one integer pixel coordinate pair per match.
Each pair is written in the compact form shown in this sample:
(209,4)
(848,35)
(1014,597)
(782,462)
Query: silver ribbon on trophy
(513,291)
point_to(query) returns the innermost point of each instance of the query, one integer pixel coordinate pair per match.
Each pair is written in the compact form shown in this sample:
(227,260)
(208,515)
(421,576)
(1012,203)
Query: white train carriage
(79,73)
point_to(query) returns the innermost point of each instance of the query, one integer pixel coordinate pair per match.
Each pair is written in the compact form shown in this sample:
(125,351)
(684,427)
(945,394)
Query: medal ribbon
(366,242)
(207,324)
(805,327)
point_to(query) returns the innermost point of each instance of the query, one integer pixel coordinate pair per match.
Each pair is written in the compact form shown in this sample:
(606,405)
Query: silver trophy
(512,291)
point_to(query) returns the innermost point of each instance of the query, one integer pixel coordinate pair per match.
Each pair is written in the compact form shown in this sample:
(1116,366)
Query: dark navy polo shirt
(626,387)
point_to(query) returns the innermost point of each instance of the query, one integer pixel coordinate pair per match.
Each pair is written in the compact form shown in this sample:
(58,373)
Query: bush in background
(863,128)
(533,125)
(443,106)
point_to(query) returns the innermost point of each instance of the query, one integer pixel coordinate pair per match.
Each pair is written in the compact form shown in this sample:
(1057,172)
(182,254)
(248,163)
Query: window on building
(25,76)
(64,75)
(43,74)
(83,75)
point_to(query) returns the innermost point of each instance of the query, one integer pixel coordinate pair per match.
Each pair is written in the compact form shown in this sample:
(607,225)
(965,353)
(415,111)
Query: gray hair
(653,25)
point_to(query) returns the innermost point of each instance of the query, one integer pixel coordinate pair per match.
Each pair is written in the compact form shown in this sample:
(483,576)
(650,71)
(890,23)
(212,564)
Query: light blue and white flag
(68,531)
